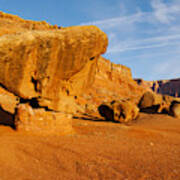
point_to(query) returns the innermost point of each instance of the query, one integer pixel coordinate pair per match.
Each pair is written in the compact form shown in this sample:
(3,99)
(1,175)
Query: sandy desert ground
(147,149)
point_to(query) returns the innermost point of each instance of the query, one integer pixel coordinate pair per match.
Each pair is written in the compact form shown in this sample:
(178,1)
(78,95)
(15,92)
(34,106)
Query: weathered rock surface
(49,65)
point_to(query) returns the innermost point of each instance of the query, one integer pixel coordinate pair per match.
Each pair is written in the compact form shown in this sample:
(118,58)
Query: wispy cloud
(162,13)
(146,35)
(165,13)
(146,43)
(118,21)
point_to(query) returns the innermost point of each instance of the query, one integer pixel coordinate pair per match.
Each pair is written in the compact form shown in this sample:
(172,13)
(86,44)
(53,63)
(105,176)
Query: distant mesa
(166,87)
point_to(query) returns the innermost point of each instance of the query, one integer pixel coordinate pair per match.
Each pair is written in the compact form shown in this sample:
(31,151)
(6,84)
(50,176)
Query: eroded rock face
(52,66)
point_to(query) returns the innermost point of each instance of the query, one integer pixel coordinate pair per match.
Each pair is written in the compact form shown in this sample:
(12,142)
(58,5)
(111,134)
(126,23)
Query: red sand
(147,149)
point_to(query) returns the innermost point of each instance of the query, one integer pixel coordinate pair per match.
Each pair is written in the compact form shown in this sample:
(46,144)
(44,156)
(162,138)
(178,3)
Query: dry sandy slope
(147,149)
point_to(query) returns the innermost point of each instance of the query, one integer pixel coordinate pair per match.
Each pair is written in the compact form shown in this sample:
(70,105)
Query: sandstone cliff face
(166,87)
(113,82)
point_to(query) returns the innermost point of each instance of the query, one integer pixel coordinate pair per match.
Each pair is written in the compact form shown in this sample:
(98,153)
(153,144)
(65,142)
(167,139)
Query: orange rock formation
(50,67)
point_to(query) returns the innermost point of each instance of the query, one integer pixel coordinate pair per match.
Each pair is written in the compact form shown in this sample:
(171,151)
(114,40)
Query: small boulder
(175,109)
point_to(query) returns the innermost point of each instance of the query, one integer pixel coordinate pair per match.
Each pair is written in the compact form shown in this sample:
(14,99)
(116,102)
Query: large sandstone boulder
(51,66)
(122,111)
(150,99)
(125,111)
(151,102)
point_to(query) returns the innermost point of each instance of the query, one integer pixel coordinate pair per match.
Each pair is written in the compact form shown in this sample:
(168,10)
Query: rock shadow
(88,117)
(153,110)
(106,112)
(7,119)
(150,110)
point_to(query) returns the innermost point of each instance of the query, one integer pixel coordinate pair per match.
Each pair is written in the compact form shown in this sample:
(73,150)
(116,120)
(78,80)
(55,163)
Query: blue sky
(143,34)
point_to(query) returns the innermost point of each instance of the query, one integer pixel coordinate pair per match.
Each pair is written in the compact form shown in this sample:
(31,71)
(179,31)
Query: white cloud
(165,13)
